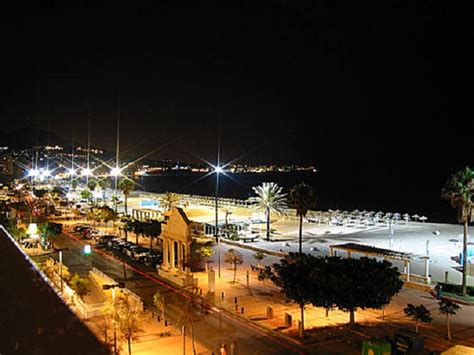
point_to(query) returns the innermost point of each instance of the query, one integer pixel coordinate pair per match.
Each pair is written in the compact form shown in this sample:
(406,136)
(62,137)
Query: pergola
(386,254)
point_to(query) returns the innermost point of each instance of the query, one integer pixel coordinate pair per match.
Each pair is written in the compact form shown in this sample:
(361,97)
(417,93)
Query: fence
(99,278)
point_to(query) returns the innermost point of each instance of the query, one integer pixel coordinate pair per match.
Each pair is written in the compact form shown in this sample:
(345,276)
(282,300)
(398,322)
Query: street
(212,330)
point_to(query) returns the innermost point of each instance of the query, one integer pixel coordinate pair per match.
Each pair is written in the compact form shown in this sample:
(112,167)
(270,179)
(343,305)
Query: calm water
(332,193)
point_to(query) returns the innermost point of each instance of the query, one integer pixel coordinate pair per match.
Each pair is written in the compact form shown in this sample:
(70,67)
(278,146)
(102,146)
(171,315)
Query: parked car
(112,243)
(151,259)
(79,227)
(139,252)
(89,232)
(103,239)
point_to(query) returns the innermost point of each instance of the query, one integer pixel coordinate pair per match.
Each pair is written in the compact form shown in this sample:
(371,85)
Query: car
(103,239)
(79,227)
(121,247)
(112,243)
(129,250)
(139,252)
(151,259)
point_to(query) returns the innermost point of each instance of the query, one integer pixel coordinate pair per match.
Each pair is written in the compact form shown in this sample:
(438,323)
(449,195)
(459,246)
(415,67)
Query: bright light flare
(86,172)
(115,171)
(218,169)
(71,172)
(33,173)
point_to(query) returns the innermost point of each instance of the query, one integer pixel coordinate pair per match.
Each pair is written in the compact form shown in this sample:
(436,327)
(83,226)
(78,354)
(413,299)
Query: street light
(115,171)
(86,172)
(217,170)
(113,287)
(60,251)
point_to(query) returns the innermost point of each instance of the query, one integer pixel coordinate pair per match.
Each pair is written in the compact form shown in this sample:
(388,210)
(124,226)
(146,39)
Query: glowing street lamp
(33,173)
(115,172)
(71,171)
(33,230)
(86,172)
(46,173)
(217,170)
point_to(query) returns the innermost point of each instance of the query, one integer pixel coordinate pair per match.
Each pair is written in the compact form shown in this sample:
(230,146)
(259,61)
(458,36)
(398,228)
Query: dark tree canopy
(348,284)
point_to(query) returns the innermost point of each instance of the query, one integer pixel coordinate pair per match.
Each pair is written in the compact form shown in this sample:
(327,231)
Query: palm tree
(459,190)
(104,184)
(301,199)
(126,185)
(270,199)
(169,200)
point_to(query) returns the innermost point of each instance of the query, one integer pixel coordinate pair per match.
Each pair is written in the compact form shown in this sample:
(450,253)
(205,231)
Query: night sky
(378,89)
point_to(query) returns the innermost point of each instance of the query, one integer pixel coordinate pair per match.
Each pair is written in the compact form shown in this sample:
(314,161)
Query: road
(212,329)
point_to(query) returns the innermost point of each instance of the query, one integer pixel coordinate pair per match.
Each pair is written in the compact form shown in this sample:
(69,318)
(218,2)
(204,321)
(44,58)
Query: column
(427,269)
(408,270)
(165,263)
(331,251)
(180,257)
(187,255)
(349,254)
(172,259)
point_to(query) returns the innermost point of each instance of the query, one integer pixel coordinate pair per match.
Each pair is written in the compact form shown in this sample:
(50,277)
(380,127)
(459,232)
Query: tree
(50,231)
(126,185)
(234,258)
(104,184)
(259,256)
(126,225)
(418,313)
(80,285)
(169,200)
(301,199)
(159,301)
(128,318)
(294,276)
(138,228)
(459,190)
(152,229)
(270,199)
(107,214)
(448,308)
(190,313)
(74,184)
(91,184)
(199,252)
(359,283)
(86,194)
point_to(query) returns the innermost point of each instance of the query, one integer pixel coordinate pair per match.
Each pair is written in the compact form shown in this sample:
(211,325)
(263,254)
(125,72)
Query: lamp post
(115,172)
(60,251)
(113,287)
(217,170)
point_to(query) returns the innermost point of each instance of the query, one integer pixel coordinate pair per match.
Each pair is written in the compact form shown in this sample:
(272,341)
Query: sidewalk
(149,341)
(251,302)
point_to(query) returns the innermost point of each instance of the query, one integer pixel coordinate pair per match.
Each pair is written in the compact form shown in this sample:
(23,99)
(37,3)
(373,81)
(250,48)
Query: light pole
(217,170)
(60,251)
(113,287)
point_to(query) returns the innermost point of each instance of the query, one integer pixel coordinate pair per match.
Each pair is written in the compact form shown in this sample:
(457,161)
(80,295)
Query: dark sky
(346,86)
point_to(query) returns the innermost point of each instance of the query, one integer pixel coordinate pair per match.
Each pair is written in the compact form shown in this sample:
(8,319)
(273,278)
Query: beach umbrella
(406,217)
(415,217)
(423,218)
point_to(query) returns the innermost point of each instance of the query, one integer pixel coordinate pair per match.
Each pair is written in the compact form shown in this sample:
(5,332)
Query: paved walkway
(254,297)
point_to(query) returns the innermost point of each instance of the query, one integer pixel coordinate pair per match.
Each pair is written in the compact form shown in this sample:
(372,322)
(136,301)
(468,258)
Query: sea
(331,193)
